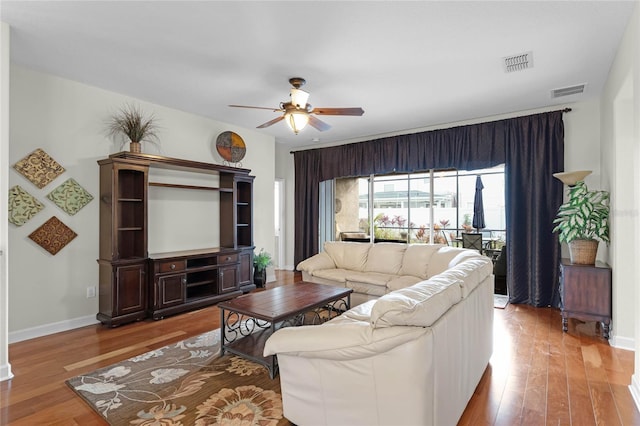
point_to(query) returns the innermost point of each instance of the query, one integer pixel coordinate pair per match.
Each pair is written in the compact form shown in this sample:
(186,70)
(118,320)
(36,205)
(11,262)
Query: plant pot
(583,252)
(135,147)
(259,278)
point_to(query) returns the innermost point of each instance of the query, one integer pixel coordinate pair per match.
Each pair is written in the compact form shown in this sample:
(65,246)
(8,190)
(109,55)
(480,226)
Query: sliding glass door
(434,206)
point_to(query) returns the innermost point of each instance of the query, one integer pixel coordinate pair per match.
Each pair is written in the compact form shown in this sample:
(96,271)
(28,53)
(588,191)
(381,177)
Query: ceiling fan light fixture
(299,98)
(298,113)
(297,120)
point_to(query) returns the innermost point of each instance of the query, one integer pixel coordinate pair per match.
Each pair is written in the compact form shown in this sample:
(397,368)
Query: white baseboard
(623,343)
(46,329)
(634,388)
(5,372)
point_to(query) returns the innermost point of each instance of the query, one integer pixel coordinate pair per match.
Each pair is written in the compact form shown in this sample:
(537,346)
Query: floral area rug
(186,383)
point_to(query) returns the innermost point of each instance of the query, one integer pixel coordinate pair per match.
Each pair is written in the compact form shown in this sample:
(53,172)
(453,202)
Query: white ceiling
(407,64)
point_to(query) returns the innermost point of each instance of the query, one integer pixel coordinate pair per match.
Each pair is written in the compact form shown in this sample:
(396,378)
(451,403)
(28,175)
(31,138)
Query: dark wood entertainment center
(134,284)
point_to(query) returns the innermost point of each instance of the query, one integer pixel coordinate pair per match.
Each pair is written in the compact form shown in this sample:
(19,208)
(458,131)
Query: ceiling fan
(298,113)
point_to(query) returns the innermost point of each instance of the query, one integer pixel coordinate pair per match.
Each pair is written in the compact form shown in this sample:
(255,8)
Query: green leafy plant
(585,216)
(131,122)
(262,260)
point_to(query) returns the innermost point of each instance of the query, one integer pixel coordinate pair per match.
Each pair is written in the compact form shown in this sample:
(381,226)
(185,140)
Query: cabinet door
(586,289)
(246,267)
(228,278)
(171,290)
(130,286)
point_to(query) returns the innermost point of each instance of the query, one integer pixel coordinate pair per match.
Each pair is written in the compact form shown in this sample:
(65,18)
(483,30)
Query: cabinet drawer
(227,258)
(171,265)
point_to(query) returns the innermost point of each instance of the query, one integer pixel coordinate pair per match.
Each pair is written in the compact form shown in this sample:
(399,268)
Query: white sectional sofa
(373,270)
(413,356)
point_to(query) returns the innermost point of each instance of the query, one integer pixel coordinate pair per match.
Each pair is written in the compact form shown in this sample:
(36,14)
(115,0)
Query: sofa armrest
(339,341)
(316,262)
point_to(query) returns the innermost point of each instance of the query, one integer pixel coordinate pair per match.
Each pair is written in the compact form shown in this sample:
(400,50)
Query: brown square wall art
(53,235)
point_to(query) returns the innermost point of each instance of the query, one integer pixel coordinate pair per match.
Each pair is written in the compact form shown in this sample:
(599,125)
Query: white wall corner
(5,372)
(56,327)
(626,343)
(634,388)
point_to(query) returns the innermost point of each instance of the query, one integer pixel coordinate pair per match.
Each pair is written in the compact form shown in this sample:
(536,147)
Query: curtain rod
(562,110)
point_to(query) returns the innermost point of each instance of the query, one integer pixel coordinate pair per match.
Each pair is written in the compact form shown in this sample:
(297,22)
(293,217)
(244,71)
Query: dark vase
(259,277)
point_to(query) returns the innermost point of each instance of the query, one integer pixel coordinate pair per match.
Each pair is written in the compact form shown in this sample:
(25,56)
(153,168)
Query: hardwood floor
(537,375)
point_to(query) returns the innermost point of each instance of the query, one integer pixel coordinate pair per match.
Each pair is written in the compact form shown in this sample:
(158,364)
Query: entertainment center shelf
(133,284)
(193,278)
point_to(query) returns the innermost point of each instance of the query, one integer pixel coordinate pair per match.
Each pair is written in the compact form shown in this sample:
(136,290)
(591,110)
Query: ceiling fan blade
(255,107)
(269,123)
(338,111)
(318,124)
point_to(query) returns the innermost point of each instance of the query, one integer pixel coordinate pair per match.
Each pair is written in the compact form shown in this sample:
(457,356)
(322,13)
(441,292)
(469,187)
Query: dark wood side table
(585,292)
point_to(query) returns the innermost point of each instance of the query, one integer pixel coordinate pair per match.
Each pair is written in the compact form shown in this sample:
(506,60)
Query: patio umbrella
(478,206)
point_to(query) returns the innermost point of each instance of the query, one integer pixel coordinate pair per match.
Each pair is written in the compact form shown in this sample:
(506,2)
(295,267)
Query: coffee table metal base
(245,327)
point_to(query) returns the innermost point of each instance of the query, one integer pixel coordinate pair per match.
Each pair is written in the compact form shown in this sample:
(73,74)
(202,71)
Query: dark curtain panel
(532,149)
(306,204)
(535,151)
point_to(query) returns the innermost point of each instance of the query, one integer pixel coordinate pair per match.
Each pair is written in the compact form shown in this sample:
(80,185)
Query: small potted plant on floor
(583,221)
(130,122)
(260,263)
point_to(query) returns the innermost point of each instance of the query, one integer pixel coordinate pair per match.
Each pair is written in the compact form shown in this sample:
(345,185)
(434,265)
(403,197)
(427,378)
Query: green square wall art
(70,196)
(22,206)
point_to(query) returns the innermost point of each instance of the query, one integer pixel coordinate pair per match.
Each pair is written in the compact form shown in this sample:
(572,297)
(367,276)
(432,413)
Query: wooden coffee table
(248,320)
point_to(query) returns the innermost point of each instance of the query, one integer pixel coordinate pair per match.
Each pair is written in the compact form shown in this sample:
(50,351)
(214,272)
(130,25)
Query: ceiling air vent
(566,91)
(518,62)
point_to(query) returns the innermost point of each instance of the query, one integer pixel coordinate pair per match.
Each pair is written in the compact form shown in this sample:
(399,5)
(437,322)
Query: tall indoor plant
(260,263)
(583,221)
(132,123)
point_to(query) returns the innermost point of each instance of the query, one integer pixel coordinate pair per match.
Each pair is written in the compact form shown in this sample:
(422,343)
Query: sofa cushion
(338,275)
(447,257)
(385,258)
(320,261)
(469,273)
(396,283)
(366,288)
(362,312)
(373,278)
(348,255)
(419,305)
(416,259)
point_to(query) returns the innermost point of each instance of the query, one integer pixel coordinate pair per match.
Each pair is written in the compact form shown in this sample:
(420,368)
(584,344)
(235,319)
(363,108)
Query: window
(431,206)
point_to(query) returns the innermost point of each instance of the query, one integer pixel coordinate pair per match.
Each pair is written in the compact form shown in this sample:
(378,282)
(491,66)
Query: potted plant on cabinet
(260,263)
(130,122)
(583,221)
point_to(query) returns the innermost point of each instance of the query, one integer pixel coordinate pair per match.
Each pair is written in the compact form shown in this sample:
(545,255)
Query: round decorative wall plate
(230,146)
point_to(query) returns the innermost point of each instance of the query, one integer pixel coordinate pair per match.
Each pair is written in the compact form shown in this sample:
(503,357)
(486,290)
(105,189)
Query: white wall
(67,119)
(5,367)
(285,171)
(620,135)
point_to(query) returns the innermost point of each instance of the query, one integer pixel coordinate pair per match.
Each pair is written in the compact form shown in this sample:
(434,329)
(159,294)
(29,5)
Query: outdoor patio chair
(472,241)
